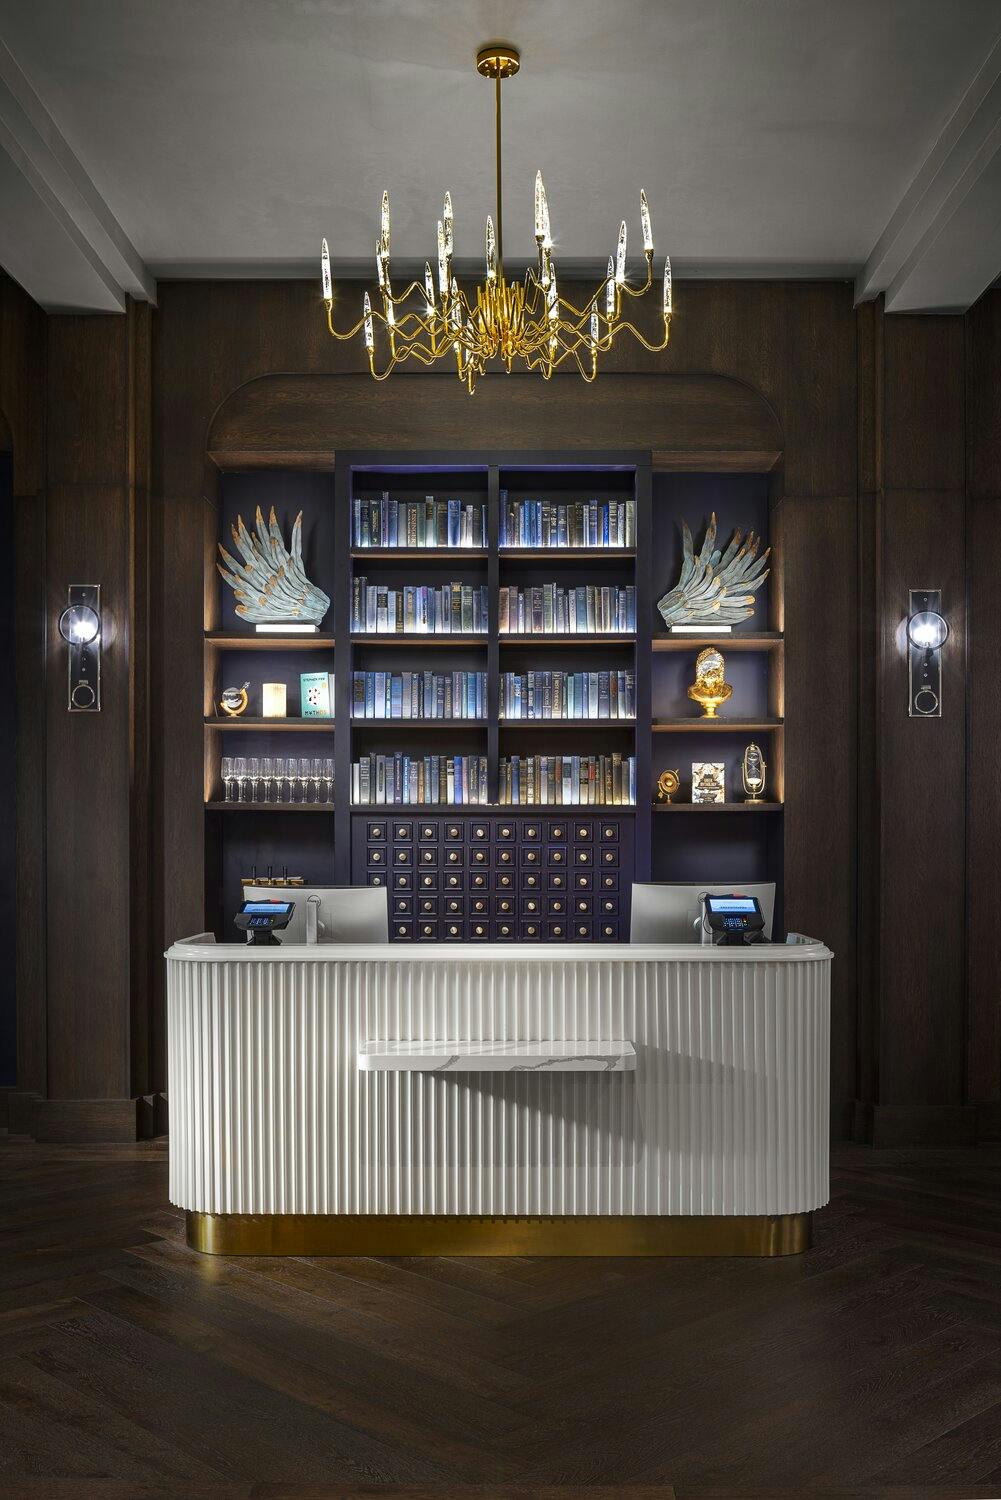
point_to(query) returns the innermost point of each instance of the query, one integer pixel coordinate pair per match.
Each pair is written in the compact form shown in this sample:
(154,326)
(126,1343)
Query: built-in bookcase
(491,870)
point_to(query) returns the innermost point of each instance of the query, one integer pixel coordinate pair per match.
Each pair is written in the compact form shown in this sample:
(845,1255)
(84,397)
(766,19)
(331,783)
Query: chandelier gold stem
(530,321)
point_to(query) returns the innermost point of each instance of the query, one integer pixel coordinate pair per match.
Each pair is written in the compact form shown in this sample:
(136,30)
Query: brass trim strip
(392,1234)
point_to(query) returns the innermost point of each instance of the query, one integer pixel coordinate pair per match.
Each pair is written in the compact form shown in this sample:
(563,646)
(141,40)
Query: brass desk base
(441,1234)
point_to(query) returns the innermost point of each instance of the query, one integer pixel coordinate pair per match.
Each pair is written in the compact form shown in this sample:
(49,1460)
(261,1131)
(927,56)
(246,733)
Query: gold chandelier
(525,320)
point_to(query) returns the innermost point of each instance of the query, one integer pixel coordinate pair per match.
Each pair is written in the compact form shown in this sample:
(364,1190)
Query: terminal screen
(267,908)
(726,905)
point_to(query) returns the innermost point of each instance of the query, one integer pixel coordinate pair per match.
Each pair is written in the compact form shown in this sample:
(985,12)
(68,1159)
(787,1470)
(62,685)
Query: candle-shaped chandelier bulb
(522,321)
(446,219)
(620,255)
(645,222)
(442,261)
(491,245)
(542,231)
(328,285)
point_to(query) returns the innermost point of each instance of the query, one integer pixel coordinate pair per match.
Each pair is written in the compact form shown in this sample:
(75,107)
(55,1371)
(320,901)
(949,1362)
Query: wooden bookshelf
(750,847)
(278,726)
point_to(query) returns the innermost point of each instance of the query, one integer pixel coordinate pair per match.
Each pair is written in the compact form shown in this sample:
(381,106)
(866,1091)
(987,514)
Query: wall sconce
(926,635)
(80,628)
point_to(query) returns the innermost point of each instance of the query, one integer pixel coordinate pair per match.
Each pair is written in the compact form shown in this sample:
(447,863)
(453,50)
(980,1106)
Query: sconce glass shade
(927,630)
(79,624)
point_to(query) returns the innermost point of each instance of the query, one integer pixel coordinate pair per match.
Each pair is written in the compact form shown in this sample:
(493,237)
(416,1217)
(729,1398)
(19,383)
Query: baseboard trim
(890,1126)
(392,1234)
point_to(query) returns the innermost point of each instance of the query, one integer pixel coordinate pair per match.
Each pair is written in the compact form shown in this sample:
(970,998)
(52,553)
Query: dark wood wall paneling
(98,788)
(22,416)
(792,343)
(875,436)
(983,801)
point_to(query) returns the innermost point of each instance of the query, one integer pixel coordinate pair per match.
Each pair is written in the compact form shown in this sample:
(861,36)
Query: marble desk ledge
(611,1055)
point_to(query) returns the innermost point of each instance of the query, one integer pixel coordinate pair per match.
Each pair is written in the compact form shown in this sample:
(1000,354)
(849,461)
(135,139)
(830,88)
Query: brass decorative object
(709,688)
(234,701)
(708,781)
(271,584)
(752,773)
(527,321)
(668,783)
(717,587)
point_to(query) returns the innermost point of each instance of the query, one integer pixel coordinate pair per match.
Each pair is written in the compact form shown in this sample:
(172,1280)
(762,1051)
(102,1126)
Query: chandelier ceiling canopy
(527,322)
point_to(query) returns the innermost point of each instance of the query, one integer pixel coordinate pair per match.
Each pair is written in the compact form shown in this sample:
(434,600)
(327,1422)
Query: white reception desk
(579,1100)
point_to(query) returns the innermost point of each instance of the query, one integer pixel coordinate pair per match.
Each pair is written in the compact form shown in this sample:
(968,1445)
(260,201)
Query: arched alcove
(686,421)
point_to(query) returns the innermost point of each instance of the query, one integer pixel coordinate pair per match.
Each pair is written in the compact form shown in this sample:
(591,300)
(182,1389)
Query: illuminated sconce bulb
(594,327)
(380,265)
(544,278)
(390,313)
(645,221)
(428,290)
(385,223)
(442,261)
(491,239)
(620,255)
(552,299)
(455,316)
(668,289)
(447,221)
(328,285)
(542,231)
(369,331)
(610,291)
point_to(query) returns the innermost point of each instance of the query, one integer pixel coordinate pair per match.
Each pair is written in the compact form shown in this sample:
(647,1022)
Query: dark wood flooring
(130,1367)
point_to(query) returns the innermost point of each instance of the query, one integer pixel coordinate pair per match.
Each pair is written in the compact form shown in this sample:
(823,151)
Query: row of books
(568,695)
(418,523)
(452,609)
(419,695)
(551,609)
(572,523)
(568,780)
(385,780)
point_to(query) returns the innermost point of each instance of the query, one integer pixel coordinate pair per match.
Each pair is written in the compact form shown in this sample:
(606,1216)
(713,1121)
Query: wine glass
(278,765)
(328,779)
(254,776)
(290,773)
(317,777)
(226,771)
(267,775)
(305,771)
(240,771)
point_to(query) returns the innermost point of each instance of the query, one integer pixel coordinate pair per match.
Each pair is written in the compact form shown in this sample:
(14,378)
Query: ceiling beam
(74,253)
(942,246)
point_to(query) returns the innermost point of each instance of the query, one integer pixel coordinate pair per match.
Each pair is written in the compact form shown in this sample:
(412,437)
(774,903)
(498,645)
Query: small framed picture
(708,781)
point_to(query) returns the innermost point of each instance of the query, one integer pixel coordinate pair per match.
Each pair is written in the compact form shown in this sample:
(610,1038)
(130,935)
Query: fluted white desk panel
(724,1112)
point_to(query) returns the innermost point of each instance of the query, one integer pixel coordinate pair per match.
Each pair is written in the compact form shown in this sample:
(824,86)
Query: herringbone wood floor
(132,1367)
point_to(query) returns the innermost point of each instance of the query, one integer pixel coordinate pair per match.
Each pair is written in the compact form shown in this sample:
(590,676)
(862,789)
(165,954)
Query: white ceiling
(146,138)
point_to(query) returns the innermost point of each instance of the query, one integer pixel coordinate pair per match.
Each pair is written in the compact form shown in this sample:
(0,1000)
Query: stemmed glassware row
(278,779)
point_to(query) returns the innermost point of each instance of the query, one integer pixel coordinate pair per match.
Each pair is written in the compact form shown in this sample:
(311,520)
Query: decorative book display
(452,609)
(419,695)
(316,695)
(568,695)
(551,609)
(397,780)
(708,781)
(568,780)
(418,523)
(581,523)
